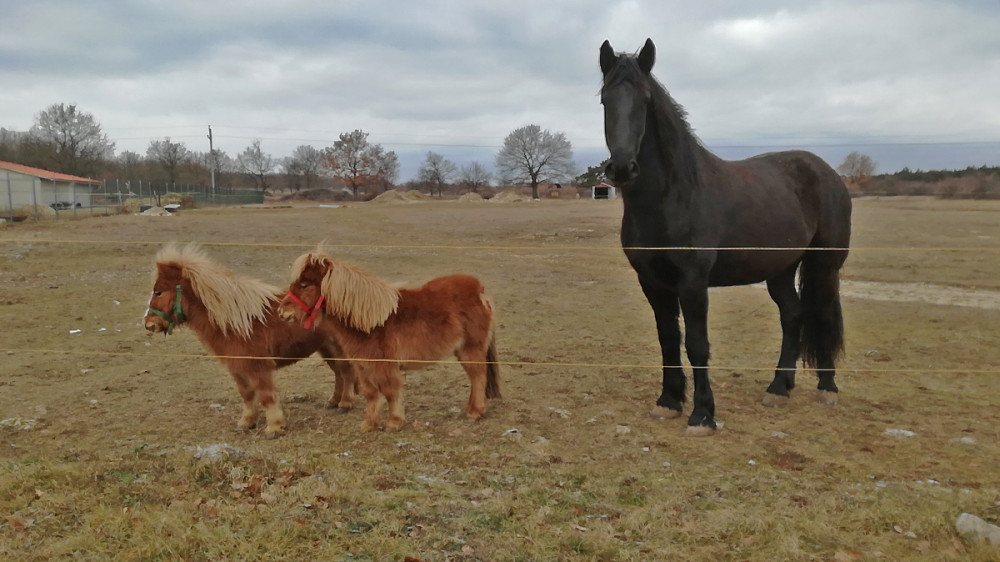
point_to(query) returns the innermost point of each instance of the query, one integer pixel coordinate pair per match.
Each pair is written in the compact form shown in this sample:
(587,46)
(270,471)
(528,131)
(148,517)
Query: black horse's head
(625,96)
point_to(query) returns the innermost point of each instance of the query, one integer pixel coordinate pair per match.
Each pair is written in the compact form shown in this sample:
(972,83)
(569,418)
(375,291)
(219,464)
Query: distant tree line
(68,140)
(981,182)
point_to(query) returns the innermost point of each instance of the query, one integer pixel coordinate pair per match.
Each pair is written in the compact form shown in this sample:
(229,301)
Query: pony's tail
(822,320)
(492,370)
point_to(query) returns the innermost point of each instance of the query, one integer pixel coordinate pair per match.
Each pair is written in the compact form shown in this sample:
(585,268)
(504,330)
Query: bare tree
(475,175)
(170,155)
(436,171)
(533,156)
(128,163)
(255,164)
(355,162)
(386,166)
(302,167)
(856,167)
(77,141)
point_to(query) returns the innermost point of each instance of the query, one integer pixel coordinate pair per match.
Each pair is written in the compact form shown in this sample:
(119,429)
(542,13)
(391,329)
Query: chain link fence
(24,197)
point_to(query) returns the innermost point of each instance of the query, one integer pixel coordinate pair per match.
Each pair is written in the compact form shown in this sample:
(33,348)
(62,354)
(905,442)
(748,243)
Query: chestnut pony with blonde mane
(385,330)
(236,319)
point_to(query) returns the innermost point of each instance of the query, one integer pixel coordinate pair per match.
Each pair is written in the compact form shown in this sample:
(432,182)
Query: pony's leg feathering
(393,391)
(368,388)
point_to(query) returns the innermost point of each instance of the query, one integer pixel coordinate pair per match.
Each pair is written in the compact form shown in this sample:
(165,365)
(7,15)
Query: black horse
(694,221)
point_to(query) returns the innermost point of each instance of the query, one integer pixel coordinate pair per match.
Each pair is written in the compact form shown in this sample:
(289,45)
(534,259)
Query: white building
(24,186)
(603,191)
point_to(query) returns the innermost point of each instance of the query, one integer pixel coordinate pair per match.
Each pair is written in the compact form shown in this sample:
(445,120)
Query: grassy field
(116,444)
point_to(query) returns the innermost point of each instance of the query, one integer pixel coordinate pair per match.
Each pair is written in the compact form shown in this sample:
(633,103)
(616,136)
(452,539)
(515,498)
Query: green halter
(176,314)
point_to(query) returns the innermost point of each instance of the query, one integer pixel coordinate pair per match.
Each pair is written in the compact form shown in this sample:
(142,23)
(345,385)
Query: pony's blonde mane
(352,294)
(233,302)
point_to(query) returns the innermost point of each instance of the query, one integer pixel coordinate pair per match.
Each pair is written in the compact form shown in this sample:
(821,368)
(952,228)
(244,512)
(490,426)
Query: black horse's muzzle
(622,170)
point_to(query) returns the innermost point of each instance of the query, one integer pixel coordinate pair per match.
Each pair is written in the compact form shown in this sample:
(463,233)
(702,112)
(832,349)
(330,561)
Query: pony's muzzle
(285,313)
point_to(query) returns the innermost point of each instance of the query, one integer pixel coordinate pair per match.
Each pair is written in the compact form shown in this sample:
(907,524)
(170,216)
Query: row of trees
(71,141)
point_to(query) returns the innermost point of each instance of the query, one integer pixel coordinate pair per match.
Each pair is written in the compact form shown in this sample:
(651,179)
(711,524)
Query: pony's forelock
(233,302)
(352,294)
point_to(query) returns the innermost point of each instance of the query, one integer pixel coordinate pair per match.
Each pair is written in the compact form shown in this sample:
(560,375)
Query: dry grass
(107,468)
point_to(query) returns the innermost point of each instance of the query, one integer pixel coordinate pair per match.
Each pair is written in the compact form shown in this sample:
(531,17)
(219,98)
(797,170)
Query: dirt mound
(471,197)
(396,196)
(510,196)
(156,212)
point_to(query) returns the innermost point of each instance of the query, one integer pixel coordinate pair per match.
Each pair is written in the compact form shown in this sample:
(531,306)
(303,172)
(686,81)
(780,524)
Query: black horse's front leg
(666,310)
(694,303)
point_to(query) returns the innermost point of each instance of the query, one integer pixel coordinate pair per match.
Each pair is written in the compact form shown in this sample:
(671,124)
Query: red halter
(302,305)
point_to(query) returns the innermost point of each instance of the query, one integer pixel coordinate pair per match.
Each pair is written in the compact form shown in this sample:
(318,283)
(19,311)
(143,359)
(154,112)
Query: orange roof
(44,174)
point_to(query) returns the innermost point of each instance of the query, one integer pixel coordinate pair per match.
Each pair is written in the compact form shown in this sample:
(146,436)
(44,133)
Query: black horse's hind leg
(694,303)
(822,318)
(666,310)
(783,293)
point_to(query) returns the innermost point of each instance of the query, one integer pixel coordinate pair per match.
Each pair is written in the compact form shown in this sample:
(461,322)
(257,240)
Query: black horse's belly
(746,267)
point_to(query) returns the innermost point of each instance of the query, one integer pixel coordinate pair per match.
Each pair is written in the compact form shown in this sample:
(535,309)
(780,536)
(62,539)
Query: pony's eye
(157,293)
(303,285)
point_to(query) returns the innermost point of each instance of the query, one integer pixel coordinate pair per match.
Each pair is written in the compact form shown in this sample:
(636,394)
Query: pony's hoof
(699,431)
(395,424)
(274,434)
(775,400)
(664,413)
(342,410)
(368,427)
(474,415)
(827,397)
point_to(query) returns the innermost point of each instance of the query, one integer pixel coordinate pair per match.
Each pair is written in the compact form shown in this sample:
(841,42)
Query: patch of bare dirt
(921,292)
(316,195)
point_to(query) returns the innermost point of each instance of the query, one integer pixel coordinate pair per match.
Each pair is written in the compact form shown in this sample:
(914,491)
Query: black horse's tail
(822,319)
(492,370)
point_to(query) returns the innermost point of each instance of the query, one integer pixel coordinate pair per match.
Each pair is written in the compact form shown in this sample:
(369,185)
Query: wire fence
(26,197)
(988,369)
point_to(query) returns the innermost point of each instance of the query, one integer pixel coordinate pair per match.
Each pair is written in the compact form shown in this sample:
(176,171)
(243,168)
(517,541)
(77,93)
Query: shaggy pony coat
(385,330)
(236,319)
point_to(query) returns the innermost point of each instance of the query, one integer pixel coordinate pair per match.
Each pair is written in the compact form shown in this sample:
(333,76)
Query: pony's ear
(647,56)
(316,263)
(169,271)
(608,57)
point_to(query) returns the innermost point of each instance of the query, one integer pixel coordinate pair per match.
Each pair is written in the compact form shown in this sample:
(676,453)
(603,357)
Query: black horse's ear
(608,57)
(647,56)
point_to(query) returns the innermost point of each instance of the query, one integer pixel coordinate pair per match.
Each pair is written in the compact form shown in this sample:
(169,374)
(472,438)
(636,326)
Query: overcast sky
(910,82)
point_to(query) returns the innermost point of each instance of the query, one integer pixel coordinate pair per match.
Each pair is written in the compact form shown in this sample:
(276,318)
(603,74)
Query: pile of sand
(510,196)
(471,197)
(396,196)
(156,212)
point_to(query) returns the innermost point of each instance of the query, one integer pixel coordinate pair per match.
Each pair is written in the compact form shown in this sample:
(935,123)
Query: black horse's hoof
(827,397)
(699,431)
(664,413)
(700,425)
(775,400)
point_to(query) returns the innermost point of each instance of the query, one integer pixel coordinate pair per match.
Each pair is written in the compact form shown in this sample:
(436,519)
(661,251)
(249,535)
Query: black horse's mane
(678,144)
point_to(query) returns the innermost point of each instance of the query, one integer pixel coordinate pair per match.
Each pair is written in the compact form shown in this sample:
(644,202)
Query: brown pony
(385,329)
(236,319)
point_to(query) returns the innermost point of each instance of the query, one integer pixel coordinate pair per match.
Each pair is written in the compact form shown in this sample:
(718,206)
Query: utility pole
(211,159)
